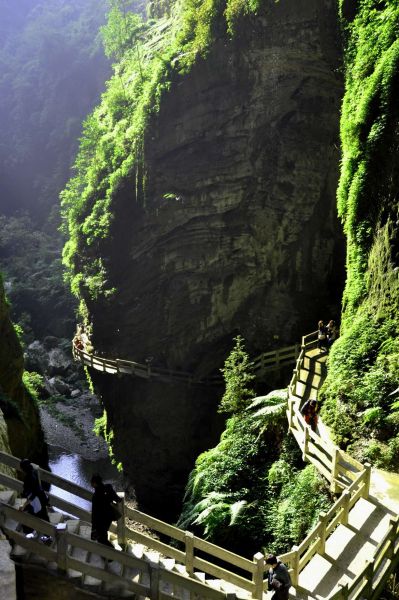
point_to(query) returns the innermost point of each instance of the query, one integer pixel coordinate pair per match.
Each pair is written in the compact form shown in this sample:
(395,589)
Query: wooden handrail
(267,361)
(342,471)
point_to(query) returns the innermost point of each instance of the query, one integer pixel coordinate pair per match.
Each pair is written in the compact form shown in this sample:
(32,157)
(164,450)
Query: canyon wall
(19,408)
(235,230)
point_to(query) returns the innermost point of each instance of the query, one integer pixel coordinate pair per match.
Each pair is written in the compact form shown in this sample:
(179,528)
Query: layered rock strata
(237,231)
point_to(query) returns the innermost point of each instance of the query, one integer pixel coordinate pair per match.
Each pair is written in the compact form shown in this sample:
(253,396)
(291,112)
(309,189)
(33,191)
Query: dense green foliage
(31,262)
(150,57)
(364,363)
(251,491)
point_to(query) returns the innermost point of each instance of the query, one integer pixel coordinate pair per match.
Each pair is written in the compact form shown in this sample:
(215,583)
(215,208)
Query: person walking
(309,413)
(279,580)
(102,509)
(36,498)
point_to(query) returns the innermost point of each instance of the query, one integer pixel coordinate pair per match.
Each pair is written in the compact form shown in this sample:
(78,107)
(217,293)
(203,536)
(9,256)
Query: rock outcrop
(237,233)
(20,411)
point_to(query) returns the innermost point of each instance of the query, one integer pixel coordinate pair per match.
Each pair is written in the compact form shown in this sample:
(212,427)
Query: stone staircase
(102,570)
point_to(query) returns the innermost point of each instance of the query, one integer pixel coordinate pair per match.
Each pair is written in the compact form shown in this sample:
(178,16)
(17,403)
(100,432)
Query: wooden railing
(66,541)
(267,361)
(251,578)
(338,467)
(342,471)
(344,474)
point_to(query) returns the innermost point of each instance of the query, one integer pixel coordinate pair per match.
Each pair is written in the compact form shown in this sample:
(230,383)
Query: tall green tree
(238,376)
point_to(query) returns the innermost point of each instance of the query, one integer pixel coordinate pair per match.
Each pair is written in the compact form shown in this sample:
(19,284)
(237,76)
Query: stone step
(229,588)
(214,583)
(88,580)
(85,531)
(56,517)
(181,569)
(167,563)
(117,587)
(8,497)
(136,550)
(151,556)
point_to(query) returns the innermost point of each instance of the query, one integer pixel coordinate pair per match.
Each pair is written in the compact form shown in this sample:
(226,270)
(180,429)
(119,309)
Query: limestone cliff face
(238,231)
(21,414)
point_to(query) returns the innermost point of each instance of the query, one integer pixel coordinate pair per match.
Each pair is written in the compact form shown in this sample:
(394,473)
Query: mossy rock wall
(20,411)
(361,389)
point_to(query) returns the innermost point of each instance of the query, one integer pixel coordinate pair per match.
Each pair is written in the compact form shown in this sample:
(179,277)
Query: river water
(79,470)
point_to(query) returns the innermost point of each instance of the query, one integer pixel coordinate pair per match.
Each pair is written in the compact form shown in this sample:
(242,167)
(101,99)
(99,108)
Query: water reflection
(79,470)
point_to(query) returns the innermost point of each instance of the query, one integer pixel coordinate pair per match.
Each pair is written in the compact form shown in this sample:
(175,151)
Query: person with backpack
(279,580)
(36,498)
(103,509)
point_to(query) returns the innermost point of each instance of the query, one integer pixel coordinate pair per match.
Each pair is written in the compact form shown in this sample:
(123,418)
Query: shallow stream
(79,470)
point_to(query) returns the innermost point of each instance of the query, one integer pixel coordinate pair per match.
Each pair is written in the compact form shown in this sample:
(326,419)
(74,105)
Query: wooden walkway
(265,362)
(349,553)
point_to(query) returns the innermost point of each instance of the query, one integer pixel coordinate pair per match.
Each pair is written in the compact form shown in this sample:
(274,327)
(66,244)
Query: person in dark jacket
(36,498)
(278,579)
(309,412)
(102,513)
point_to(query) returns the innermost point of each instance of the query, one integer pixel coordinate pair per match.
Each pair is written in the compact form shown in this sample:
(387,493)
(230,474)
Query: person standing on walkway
(102,511)
(309,413)
(332,332)
(36,498)
(321,336)
(279,580)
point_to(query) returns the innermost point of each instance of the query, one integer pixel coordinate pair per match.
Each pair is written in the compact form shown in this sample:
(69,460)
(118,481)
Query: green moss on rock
(364,363)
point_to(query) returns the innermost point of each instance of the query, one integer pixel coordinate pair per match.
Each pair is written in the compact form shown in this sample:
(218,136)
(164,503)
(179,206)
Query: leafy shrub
(33,382)
(236,488)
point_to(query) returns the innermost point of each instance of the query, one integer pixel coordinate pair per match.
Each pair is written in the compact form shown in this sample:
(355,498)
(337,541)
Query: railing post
(295,566)
(322,538)
(344,591)
(189,552)
(62,546)
(334,470)
(369,572)
(366,489)
(257,576)
(154,581)
(121,523)
(305,449)
(345,506)
(290,413)
(297,351)
(392,537)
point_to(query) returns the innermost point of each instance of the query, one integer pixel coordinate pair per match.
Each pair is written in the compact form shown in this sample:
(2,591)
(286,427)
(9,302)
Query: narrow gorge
(226,224)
